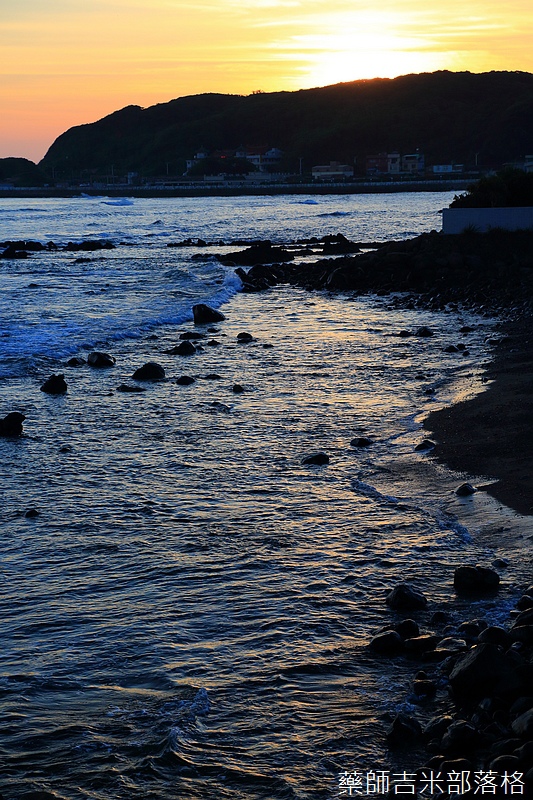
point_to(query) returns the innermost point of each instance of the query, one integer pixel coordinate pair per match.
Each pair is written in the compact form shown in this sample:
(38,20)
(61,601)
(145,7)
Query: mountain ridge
(449,116)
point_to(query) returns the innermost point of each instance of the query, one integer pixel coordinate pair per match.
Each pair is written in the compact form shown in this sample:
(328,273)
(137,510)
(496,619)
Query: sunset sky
(67,62)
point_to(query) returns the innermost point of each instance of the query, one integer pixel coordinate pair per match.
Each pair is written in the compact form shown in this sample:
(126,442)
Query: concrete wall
(455,220)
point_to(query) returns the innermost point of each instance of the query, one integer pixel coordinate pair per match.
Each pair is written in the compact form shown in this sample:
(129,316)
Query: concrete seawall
(456,220)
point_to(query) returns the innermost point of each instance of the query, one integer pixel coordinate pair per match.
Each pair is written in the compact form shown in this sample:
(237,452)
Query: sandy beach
(491,434)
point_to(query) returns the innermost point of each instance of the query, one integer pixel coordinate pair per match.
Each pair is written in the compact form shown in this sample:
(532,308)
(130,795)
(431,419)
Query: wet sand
(492,433)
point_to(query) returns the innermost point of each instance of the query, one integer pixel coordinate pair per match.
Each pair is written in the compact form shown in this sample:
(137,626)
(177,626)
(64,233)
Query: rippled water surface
(187,615)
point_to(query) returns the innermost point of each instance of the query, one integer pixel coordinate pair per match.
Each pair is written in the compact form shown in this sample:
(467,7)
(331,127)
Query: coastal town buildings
(332,171)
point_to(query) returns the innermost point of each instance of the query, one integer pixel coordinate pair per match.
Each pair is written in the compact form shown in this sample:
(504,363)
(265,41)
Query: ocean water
(188,614)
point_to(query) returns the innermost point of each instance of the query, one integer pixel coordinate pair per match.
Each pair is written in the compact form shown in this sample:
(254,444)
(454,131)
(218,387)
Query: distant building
(377,164)
(447,169)
(332,171)
(394,163)
(413,163)
(263,158)
(528,164)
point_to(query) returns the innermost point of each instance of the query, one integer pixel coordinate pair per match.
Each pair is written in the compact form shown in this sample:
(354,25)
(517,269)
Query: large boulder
(475,580)
(151,371)
(98,359)
(387,643)
(11,425)
(404,598)
(55,384)
(204,315)
(482,672)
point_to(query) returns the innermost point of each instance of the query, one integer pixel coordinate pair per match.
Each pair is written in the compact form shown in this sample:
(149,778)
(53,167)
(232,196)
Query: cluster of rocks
(22,249)
(493,269)
(482,673)
(11,424)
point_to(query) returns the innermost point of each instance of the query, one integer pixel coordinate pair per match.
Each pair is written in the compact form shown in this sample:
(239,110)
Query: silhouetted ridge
(448,116)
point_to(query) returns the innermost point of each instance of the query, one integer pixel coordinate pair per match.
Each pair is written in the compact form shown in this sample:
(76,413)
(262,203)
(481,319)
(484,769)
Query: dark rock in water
(461,737)
(424,688)
(523,725)
(55,384)
(424,331)
(475,580)
(89,245)
(465,489)
(493,634)
(66,448)
(185,348)
(405,334)
(218,406)
(522,633)
(316,458)
(437,726)
(184,380)
(31,513)
(525,602)
(439,618)
(404,731)
(524,618)
(125,387)
(451,348)
(426,444)
(237,388)
(76,361)
(404,597)
(203,314)
(267,345)
(151,371)
(361,441)
(245,337)
(12,252)
(213,343)
(407,628)
(482,672)
(212,376)
(11,425)
(466,329)
(192,335)
(388,643)
(100,360)
(213,330)
(259,253)
(422,644)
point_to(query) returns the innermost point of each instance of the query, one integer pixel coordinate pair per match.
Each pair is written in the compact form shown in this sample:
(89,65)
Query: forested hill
(449,116)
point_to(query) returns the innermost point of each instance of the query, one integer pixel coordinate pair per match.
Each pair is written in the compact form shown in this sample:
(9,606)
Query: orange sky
(66,62)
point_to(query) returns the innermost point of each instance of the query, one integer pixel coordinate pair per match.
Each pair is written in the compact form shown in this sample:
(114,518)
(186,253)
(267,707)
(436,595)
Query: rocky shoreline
(485,739)
(490,271)
(484,744)
(490,435)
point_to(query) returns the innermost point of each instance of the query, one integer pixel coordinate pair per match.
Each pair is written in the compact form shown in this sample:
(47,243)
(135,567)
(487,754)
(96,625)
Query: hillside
(20,172)
(448,116)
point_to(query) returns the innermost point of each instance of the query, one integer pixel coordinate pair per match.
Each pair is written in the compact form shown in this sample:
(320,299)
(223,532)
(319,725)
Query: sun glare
(362,45)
